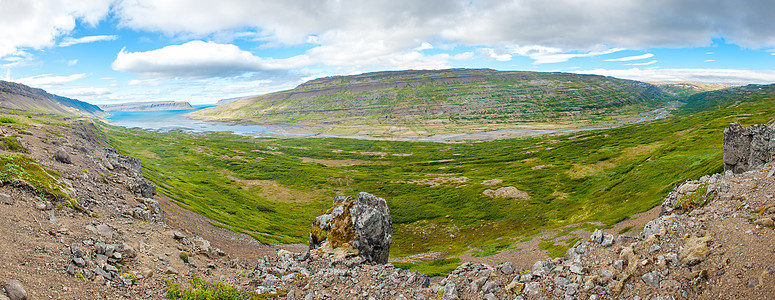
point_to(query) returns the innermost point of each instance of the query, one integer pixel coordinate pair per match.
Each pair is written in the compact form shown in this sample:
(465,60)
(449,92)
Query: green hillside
(16,96)
(273,188)
(444,101)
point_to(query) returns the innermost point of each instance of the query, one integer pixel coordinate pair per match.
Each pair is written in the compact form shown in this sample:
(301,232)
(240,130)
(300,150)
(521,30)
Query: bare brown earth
(36,240)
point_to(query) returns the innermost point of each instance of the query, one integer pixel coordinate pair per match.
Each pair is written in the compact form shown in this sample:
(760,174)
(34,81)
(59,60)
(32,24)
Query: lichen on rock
(350,228)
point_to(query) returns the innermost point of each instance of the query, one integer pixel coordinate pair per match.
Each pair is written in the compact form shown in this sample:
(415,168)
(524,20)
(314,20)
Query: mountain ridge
(453,100)
(147,106)
(19,96)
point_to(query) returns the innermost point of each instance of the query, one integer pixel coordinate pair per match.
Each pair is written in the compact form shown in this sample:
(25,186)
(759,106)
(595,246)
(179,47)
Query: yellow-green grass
(594,176)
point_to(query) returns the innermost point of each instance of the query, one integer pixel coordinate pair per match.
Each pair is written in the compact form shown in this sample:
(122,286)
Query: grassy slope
(18,169)
(277,186)
(429,102)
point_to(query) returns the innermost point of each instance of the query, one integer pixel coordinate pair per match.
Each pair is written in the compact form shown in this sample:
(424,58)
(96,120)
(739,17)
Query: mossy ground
(18,168)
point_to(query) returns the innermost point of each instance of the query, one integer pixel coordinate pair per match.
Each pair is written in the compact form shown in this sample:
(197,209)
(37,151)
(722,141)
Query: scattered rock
(106,231)
(14,290)
(507,268)
(6,199)
(695,250)
(653,227)
(753,282)
(477,284)
(651,278)
(532,288)
(449,291)
(178,235)
(608,240)
(490,286)
(597,236)
(765,222)
(62,156)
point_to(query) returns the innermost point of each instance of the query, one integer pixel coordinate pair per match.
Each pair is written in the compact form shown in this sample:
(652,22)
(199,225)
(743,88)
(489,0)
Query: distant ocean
(170,120)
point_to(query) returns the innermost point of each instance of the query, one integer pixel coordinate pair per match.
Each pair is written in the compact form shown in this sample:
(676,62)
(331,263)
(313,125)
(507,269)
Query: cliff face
(748,148)
(147,106)
(19,96)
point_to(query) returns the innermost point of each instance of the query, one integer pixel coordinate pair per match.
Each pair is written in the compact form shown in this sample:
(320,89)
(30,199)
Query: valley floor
(98,232)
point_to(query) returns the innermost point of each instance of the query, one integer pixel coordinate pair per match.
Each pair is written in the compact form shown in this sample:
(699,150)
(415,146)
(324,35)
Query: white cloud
(463,56)
(198,59)
(491,53)
(397,26)
(563,57)
(729,76)
(83,92)
(38,23)
(630,58)
(48,80)
(424,46)
(72,62)
(548,55)
(644,63)
(710,60)
(144,82)
(69,41)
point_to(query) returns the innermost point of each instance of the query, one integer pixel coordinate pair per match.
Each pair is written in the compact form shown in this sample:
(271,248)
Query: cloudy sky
(200,51)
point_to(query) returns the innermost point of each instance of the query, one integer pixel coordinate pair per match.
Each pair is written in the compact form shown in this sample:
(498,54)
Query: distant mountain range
(147,106)
(382,102)
(18,96)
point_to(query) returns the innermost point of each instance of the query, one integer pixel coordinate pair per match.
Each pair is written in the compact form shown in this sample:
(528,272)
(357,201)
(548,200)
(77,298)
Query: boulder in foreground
(350,227)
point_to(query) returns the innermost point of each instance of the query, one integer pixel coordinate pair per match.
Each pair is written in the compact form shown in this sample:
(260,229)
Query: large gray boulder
(359,227)
(748,148)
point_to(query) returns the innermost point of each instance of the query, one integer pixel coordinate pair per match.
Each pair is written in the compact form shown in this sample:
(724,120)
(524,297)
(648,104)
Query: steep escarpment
(19,96)
(147,106)
(444,101)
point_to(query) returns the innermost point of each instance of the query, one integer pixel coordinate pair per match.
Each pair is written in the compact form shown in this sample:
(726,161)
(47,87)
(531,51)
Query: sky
(102,51)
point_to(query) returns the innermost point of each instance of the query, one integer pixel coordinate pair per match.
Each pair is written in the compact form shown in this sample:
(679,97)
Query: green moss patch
(439,267)
(21,169)
(11,143)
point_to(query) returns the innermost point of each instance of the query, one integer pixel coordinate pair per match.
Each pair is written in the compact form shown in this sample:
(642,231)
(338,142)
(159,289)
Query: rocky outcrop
(147,106)
(691,194)
(748,148)
(131,168)
(350,228)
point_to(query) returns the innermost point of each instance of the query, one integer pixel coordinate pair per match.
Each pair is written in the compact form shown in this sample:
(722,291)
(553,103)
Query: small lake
(173,120)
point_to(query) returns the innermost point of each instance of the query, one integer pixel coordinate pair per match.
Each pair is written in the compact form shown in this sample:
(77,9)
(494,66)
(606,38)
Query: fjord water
(171,120)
